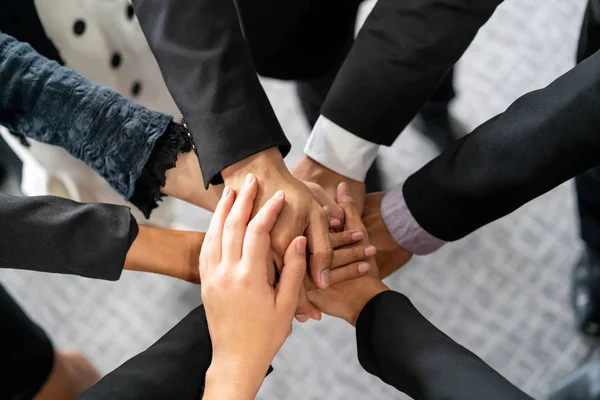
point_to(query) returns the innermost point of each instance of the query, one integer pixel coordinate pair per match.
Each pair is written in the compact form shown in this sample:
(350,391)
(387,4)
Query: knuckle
(231,223)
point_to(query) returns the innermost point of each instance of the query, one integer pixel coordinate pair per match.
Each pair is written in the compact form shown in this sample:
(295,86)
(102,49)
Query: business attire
(395,343)
(586,274)
(398,345)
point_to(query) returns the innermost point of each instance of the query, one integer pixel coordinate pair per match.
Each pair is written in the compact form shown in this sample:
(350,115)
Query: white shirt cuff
(339,150)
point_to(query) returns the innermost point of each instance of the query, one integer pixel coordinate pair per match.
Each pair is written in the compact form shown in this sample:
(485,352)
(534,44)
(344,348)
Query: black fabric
(172,368)
(396,64)
(26,352)
(587,185)
(20,20)
(208,69)
(543,139)
(52,234)
(146,193)
(398,345)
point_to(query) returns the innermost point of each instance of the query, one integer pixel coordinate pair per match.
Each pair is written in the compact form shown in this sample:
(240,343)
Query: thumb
(292,275)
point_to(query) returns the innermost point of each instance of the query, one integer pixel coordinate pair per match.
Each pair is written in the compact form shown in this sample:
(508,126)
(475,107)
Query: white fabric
(339,150)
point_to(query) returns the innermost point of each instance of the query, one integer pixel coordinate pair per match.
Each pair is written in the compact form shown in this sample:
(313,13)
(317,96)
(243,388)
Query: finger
(334,209)
(212,245)
(294,269)
(339,239)
(237,220)
(352,254)
(257,242)
(321,252)
(347,272)
(350,207)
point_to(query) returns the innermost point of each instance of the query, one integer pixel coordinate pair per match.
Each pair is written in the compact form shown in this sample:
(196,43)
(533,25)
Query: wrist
(261,164)
(233,378)
(369,289)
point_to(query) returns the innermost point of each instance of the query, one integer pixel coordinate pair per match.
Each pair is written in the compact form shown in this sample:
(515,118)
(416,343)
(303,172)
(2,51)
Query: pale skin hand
(248,319)
(301,214)
(324,185)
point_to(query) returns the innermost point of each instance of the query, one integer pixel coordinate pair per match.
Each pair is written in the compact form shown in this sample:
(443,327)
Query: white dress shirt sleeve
(339,150)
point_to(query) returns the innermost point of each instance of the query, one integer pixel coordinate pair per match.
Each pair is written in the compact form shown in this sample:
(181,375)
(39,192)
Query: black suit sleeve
(399,58)
(172,368)
(51,234)
(207,67)
(398,345)
(543,139)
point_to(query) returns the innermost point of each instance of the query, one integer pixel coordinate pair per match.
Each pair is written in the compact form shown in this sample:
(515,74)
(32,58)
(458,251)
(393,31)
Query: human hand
(347,299)
(300,214)
(390,255)
(324,183)
(248,319)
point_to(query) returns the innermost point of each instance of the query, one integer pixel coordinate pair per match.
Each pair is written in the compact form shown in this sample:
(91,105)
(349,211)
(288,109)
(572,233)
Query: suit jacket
(398,345)
(543,139)
(203,56)
(398,60)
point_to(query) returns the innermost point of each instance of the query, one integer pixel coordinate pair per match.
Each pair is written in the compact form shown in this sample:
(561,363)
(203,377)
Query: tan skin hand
(390,256)
(301,214)
(347,299)
(308,170)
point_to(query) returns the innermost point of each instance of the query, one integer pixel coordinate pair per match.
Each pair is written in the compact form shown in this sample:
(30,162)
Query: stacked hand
(301,214)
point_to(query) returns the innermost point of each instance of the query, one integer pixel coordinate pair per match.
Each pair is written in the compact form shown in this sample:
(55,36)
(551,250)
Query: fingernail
(326,209)
(302,317)
(345,188)
(363,267)
(249,179)
(315,316)
(225,192)
(301,246)
(279,194)
(333,222)
(370,251)
(325,277)
(356,236)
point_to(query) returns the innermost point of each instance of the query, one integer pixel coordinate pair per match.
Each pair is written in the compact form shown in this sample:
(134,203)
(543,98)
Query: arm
(207,67)
(397,344)
(51,234)
(140,152)
(543,139)
(399,58)
(172,368)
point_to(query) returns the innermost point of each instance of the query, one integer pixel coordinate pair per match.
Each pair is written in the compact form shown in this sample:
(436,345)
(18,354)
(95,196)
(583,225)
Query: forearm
(543,139)
(55,105)
(399,58)
(51,234)
(397,344)
(166,252)
(203,56)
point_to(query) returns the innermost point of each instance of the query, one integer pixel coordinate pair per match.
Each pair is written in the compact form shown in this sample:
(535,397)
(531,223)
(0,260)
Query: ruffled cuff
(147,194)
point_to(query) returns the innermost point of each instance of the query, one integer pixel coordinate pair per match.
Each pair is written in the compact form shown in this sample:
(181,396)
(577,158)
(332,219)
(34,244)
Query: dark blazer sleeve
(52,234)
(172,368)
(399,58)
(543,139)
(398,345)
(203,56)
